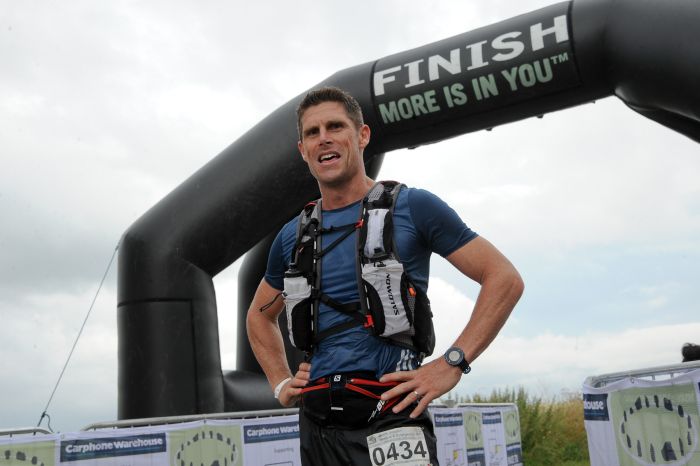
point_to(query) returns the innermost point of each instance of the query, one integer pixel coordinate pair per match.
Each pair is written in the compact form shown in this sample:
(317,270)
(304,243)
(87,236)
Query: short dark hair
(330,94)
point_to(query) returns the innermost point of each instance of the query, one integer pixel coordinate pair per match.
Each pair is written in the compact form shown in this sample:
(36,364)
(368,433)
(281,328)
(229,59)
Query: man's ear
(365,133)
(300,146)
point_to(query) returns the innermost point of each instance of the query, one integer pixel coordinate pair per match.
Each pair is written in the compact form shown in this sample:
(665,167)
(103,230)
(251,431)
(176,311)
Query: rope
(75,343)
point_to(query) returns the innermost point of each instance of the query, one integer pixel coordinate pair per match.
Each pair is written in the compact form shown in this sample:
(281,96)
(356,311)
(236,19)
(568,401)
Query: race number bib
(405,446)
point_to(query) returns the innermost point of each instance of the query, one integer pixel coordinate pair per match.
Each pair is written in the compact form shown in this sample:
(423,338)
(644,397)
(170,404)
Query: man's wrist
(280,386)
(454,356)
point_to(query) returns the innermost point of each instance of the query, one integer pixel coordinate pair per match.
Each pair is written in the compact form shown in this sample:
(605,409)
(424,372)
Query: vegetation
(552,431)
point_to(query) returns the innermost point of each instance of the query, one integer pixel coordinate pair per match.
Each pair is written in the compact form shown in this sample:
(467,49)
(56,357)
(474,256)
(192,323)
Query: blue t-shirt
(423,223)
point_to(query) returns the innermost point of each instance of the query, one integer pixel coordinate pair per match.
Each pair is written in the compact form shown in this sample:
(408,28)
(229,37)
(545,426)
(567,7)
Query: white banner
(272,441)
(29,450)
(641,422)
(478,435)
(475,435)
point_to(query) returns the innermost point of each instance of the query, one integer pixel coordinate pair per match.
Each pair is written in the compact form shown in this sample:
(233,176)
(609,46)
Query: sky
(105,107)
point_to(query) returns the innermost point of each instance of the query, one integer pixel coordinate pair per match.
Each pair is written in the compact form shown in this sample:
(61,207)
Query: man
(332,138)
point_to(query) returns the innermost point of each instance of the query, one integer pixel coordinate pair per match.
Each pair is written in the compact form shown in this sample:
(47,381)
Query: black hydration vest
(390,305)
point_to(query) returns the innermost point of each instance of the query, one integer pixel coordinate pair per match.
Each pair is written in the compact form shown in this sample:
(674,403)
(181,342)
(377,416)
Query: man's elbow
(507,280)
(519,285)
(514,284)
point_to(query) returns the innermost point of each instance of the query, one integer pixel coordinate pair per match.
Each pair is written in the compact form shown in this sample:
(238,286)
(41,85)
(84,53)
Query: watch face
(453,356)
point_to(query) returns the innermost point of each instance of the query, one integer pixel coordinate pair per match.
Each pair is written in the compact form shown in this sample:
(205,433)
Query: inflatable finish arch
(642,51)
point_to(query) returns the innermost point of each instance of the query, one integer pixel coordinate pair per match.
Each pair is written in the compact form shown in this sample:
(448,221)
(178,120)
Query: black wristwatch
(455,357)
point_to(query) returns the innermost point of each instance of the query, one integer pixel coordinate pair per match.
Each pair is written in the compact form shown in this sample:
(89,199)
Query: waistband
(354,395)
(357,382)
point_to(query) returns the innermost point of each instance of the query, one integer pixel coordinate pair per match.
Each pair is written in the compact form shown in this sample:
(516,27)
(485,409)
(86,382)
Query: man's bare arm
(266,341)
(501,287)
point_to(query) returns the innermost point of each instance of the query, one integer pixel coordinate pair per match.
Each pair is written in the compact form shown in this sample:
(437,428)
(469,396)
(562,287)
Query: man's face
(331,144)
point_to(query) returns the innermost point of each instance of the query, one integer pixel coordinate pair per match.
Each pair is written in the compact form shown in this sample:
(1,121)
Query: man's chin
(332,180)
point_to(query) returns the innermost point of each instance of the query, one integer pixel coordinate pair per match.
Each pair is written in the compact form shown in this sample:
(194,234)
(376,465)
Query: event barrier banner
(471,435)
(478,435)
(27,450)
(641,422)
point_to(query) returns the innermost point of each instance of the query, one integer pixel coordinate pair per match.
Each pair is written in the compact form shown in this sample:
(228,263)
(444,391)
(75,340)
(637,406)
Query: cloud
(37,335)
(226,284)
(549,362)
(451,309)
(552,362)
(547,186)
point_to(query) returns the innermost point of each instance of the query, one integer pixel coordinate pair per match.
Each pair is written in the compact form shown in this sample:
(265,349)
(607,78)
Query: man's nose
(324,137)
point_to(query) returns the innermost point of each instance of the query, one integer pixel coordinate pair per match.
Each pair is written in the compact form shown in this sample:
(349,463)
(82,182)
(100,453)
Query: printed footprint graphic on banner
(657,426)
(28,454)
(206,446)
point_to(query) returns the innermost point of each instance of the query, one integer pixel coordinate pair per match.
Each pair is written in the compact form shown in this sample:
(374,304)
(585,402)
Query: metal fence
(652,373)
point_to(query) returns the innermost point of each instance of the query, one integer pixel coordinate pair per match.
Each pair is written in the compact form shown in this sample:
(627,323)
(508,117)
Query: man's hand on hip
(422,385)
(291,392)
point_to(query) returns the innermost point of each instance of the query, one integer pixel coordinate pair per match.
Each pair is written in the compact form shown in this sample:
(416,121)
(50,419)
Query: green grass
(552,431)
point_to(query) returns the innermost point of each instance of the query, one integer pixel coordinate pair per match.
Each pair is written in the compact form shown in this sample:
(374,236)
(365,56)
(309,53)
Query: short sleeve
(437,223)
(276,262)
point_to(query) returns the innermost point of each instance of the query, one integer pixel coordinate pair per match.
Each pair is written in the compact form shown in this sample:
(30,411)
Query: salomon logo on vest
(391,296)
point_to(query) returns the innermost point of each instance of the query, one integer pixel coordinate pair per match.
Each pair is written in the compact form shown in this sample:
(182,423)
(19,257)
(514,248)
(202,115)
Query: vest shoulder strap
(383,195)
(309,216)
(376,239)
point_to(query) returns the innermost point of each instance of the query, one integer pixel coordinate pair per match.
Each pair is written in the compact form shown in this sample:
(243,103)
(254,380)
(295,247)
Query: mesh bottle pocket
(424,338)
(408,297)
(384,288)
(297,301)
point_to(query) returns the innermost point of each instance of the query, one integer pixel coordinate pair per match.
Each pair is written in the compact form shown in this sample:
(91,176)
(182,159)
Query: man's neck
(336,197)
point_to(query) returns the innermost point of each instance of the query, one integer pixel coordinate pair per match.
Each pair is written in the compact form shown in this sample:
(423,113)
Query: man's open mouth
(328,157)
